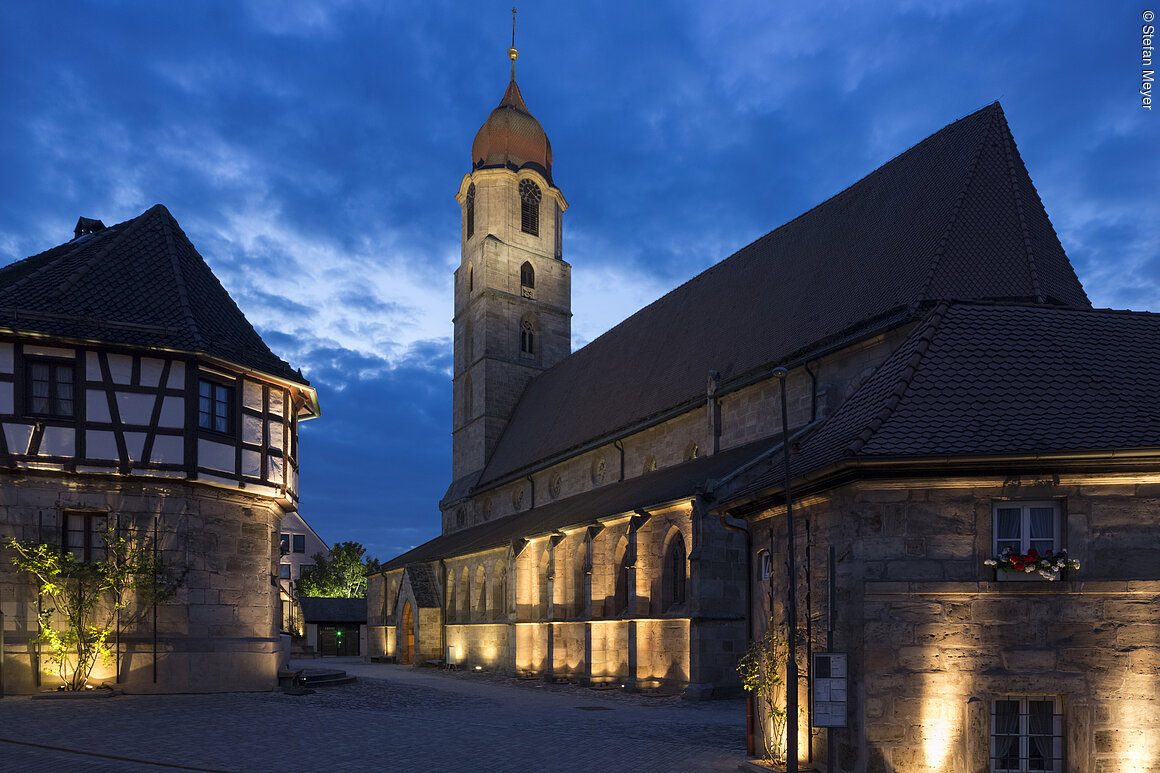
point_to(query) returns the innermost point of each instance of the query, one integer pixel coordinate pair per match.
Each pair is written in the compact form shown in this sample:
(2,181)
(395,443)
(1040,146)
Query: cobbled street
(394,719)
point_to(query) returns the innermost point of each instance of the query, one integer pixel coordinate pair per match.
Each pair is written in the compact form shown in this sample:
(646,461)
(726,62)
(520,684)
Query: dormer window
(469,208)
(530,197)
(50,388)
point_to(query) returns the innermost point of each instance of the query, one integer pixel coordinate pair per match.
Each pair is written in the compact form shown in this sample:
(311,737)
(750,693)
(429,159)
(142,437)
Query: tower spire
(513,54)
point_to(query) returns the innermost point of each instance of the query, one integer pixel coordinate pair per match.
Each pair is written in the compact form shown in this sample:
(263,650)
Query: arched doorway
(407,654)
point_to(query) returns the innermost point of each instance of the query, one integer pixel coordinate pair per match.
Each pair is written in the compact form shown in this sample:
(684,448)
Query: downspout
(443,603)
(742,528)
(813,392)
(619,445)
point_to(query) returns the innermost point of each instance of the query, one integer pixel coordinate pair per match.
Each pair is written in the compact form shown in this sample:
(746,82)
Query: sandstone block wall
(220,631)
(935,637)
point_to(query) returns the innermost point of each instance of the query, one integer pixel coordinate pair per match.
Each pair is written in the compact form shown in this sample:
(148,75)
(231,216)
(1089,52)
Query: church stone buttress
(512,288)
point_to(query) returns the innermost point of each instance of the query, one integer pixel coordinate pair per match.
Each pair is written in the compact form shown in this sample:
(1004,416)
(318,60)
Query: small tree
(342,575)
(89,595)
(761,669)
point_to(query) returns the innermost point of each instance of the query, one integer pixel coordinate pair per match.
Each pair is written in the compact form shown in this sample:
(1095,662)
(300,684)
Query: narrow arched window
(527,275)
(470,278)
(528,338)
(530,207)
(559,232)
(469,210)
(673,589)
(621,583)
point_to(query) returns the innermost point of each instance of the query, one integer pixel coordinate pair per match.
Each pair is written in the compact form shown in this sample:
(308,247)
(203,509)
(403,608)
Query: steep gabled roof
(139,283)
(978,381)
(956,217)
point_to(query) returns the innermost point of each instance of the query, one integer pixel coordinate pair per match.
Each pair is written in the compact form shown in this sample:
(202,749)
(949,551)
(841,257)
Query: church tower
(513,292)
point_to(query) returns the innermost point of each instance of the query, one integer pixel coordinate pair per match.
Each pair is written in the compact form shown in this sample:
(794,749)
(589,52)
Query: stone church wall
(935,637)
(219,633)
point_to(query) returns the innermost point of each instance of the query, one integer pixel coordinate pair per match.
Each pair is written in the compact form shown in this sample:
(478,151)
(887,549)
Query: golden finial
(512,53)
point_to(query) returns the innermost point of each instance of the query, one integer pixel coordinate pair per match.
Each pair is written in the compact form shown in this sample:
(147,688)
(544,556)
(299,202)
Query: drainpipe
(743,529)
(813,392)
(619,445)
(443,603)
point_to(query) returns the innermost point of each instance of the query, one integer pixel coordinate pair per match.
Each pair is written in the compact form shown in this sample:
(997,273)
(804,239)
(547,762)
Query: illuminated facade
(613,511)
(134,393)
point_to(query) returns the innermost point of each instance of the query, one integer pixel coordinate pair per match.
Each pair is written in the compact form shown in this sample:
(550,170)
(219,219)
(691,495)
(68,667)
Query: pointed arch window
(673,588)
(530,197)
(469,210)
(527,275)
(528,338)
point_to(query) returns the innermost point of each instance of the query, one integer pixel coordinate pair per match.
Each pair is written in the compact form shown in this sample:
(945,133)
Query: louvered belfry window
(470,207)
(530,197)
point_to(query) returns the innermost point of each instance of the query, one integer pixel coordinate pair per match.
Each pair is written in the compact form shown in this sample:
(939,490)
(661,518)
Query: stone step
(324,677)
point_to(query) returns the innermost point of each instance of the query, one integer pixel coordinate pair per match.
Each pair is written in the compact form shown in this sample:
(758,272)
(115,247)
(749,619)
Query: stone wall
(220,631)
(935,637)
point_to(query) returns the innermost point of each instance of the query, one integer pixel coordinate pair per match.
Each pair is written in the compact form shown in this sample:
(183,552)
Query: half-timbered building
(135,396)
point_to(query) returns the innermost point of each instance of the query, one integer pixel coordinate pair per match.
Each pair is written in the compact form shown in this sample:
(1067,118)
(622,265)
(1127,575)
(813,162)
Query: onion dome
(511,137)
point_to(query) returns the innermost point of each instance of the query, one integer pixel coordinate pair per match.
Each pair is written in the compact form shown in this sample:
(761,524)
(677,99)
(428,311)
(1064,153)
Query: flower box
(1047,566)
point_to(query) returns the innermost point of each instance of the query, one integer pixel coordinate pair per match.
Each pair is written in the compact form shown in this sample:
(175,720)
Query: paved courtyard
(394,719)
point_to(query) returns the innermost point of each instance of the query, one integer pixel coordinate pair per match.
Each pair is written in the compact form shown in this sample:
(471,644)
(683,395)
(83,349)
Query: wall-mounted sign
(829,689)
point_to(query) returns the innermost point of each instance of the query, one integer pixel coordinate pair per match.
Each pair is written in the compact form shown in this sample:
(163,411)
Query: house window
(305,569)
(284,543)
(530,207)
(1021,526)
(765,564)
(284,571)
(50,388)
(84,535)
(674,573)
(469,205)
(214,406)
(299,543)
(1026,734)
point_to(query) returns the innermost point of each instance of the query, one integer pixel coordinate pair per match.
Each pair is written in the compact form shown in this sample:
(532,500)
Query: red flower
(1018,565)
(1033,554)
(1049,553)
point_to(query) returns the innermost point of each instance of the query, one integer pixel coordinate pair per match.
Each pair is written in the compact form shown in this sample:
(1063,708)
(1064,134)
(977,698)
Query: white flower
(1029,568)
(991,562)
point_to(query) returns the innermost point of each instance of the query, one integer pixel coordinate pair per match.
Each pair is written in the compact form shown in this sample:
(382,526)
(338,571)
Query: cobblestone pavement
(394,719)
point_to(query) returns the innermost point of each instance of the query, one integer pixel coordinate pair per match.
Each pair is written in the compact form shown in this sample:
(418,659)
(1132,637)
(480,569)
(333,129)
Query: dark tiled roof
(954,217)
(139,283)
(320,610)
(424,585)
(989,380)
(655,488)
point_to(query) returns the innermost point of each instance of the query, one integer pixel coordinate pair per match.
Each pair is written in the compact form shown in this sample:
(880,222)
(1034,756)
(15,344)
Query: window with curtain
(1020,526)
(50,388)
(1026,734)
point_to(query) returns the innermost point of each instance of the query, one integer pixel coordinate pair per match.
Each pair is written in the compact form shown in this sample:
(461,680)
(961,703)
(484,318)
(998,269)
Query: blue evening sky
(311,151)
